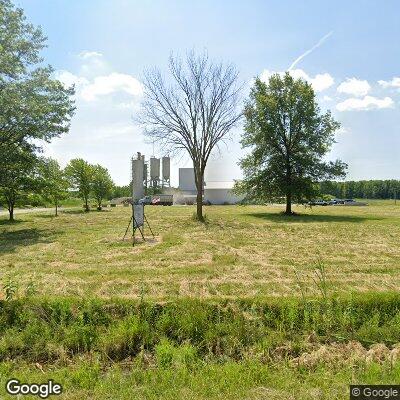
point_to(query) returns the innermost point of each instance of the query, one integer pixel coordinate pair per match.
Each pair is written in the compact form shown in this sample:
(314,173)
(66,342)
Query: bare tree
(193,112)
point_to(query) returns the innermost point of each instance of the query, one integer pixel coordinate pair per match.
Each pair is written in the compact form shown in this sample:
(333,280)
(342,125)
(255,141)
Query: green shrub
(125,338)
(80,338)
(164,352)
(167,354)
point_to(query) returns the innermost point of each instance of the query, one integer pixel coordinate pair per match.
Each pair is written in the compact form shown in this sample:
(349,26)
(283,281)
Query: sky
(347,50)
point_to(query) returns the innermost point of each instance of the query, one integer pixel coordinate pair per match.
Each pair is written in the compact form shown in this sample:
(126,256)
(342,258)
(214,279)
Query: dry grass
(242,251)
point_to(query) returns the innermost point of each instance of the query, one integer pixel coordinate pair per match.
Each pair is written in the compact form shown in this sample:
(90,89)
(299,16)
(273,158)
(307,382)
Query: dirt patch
(343,353)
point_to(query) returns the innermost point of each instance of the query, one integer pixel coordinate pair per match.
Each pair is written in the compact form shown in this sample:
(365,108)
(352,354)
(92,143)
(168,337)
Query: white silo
(166,169)
(154,170)
(137,178)
(145,175)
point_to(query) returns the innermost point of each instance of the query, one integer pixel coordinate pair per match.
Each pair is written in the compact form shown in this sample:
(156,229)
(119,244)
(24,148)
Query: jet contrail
(298,59)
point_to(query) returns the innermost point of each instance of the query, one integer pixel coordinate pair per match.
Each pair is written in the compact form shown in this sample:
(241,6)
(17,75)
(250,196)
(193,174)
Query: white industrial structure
(148,174)
(213,192)
(221,193)
(187,184)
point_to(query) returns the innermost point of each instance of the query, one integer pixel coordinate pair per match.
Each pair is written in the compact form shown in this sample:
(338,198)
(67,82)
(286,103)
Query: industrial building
(187,184)
(220,193)
(149,175)
(213,192)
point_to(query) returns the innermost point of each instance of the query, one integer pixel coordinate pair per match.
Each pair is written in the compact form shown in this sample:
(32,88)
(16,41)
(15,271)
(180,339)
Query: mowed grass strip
(203,381)
(242,251)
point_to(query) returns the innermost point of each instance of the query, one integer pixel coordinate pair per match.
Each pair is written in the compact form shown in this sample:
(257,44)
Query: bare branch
(193,112)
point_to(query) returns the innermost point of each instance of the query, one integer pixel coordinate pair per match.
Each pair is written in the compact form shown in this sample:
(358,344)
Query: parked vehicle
(318,203)
(158,200)
(337,201)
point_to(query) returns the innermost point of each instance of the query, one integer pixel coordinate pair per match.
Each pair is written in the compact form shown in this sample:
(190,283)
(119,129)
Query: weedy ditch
(44,330)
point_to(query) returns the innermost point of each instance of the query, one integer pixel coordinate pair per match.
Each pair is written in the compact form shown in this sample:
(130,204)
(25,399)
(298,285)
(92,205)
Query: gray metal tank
(166,168)
(137,178)
(154,168)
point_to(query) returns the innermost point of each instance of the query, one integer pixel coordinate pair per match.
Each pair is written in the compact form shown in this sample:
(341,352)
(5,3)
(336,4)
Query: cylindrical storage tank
(154,168)
(166,163)
(144,171)
(137,179)
(145,174)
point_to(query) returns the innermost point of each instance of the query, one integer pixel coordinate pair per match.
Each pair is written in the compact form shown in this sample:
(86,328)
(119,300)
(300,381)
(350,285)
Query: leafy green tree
(102,184)
(17,176)
(122,191)
(288,137)
(34,107)
(20,41)
(80,176)
(32,104)
(54,183)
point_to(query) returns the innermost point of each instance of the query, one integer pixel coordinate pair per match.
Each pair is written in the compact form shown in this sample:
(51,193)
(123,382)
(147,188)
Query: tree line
(366,189)
(49,183)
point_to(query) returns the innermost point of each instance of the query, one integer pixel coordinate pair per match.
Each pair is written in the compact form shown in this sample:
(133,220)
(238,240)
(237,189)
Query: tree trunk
(288,186)
(56,208)
(199,177)
(199,205)
(288,203)
(86,205)
(11,213)
(10,205)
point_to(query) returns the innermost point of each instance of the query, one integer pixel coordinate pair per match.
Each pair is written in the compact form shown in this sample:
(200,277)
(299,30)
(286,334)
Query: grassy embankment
(291,349)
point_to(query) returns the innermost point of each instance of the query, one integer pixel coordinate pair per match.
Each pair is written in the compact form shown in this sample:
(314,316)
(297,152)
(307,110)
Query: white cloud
(89,54)
(68,79)
(366,103)
(107,102)
(354,87)
(319,82)
(395,82)
(327,98)
(265,75)
(90,90)
(108,84)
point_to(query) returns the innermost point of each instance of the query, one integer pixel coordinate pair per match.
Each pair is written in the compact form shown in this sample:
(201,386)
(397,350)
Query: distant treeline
(72,199)
(373,189)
